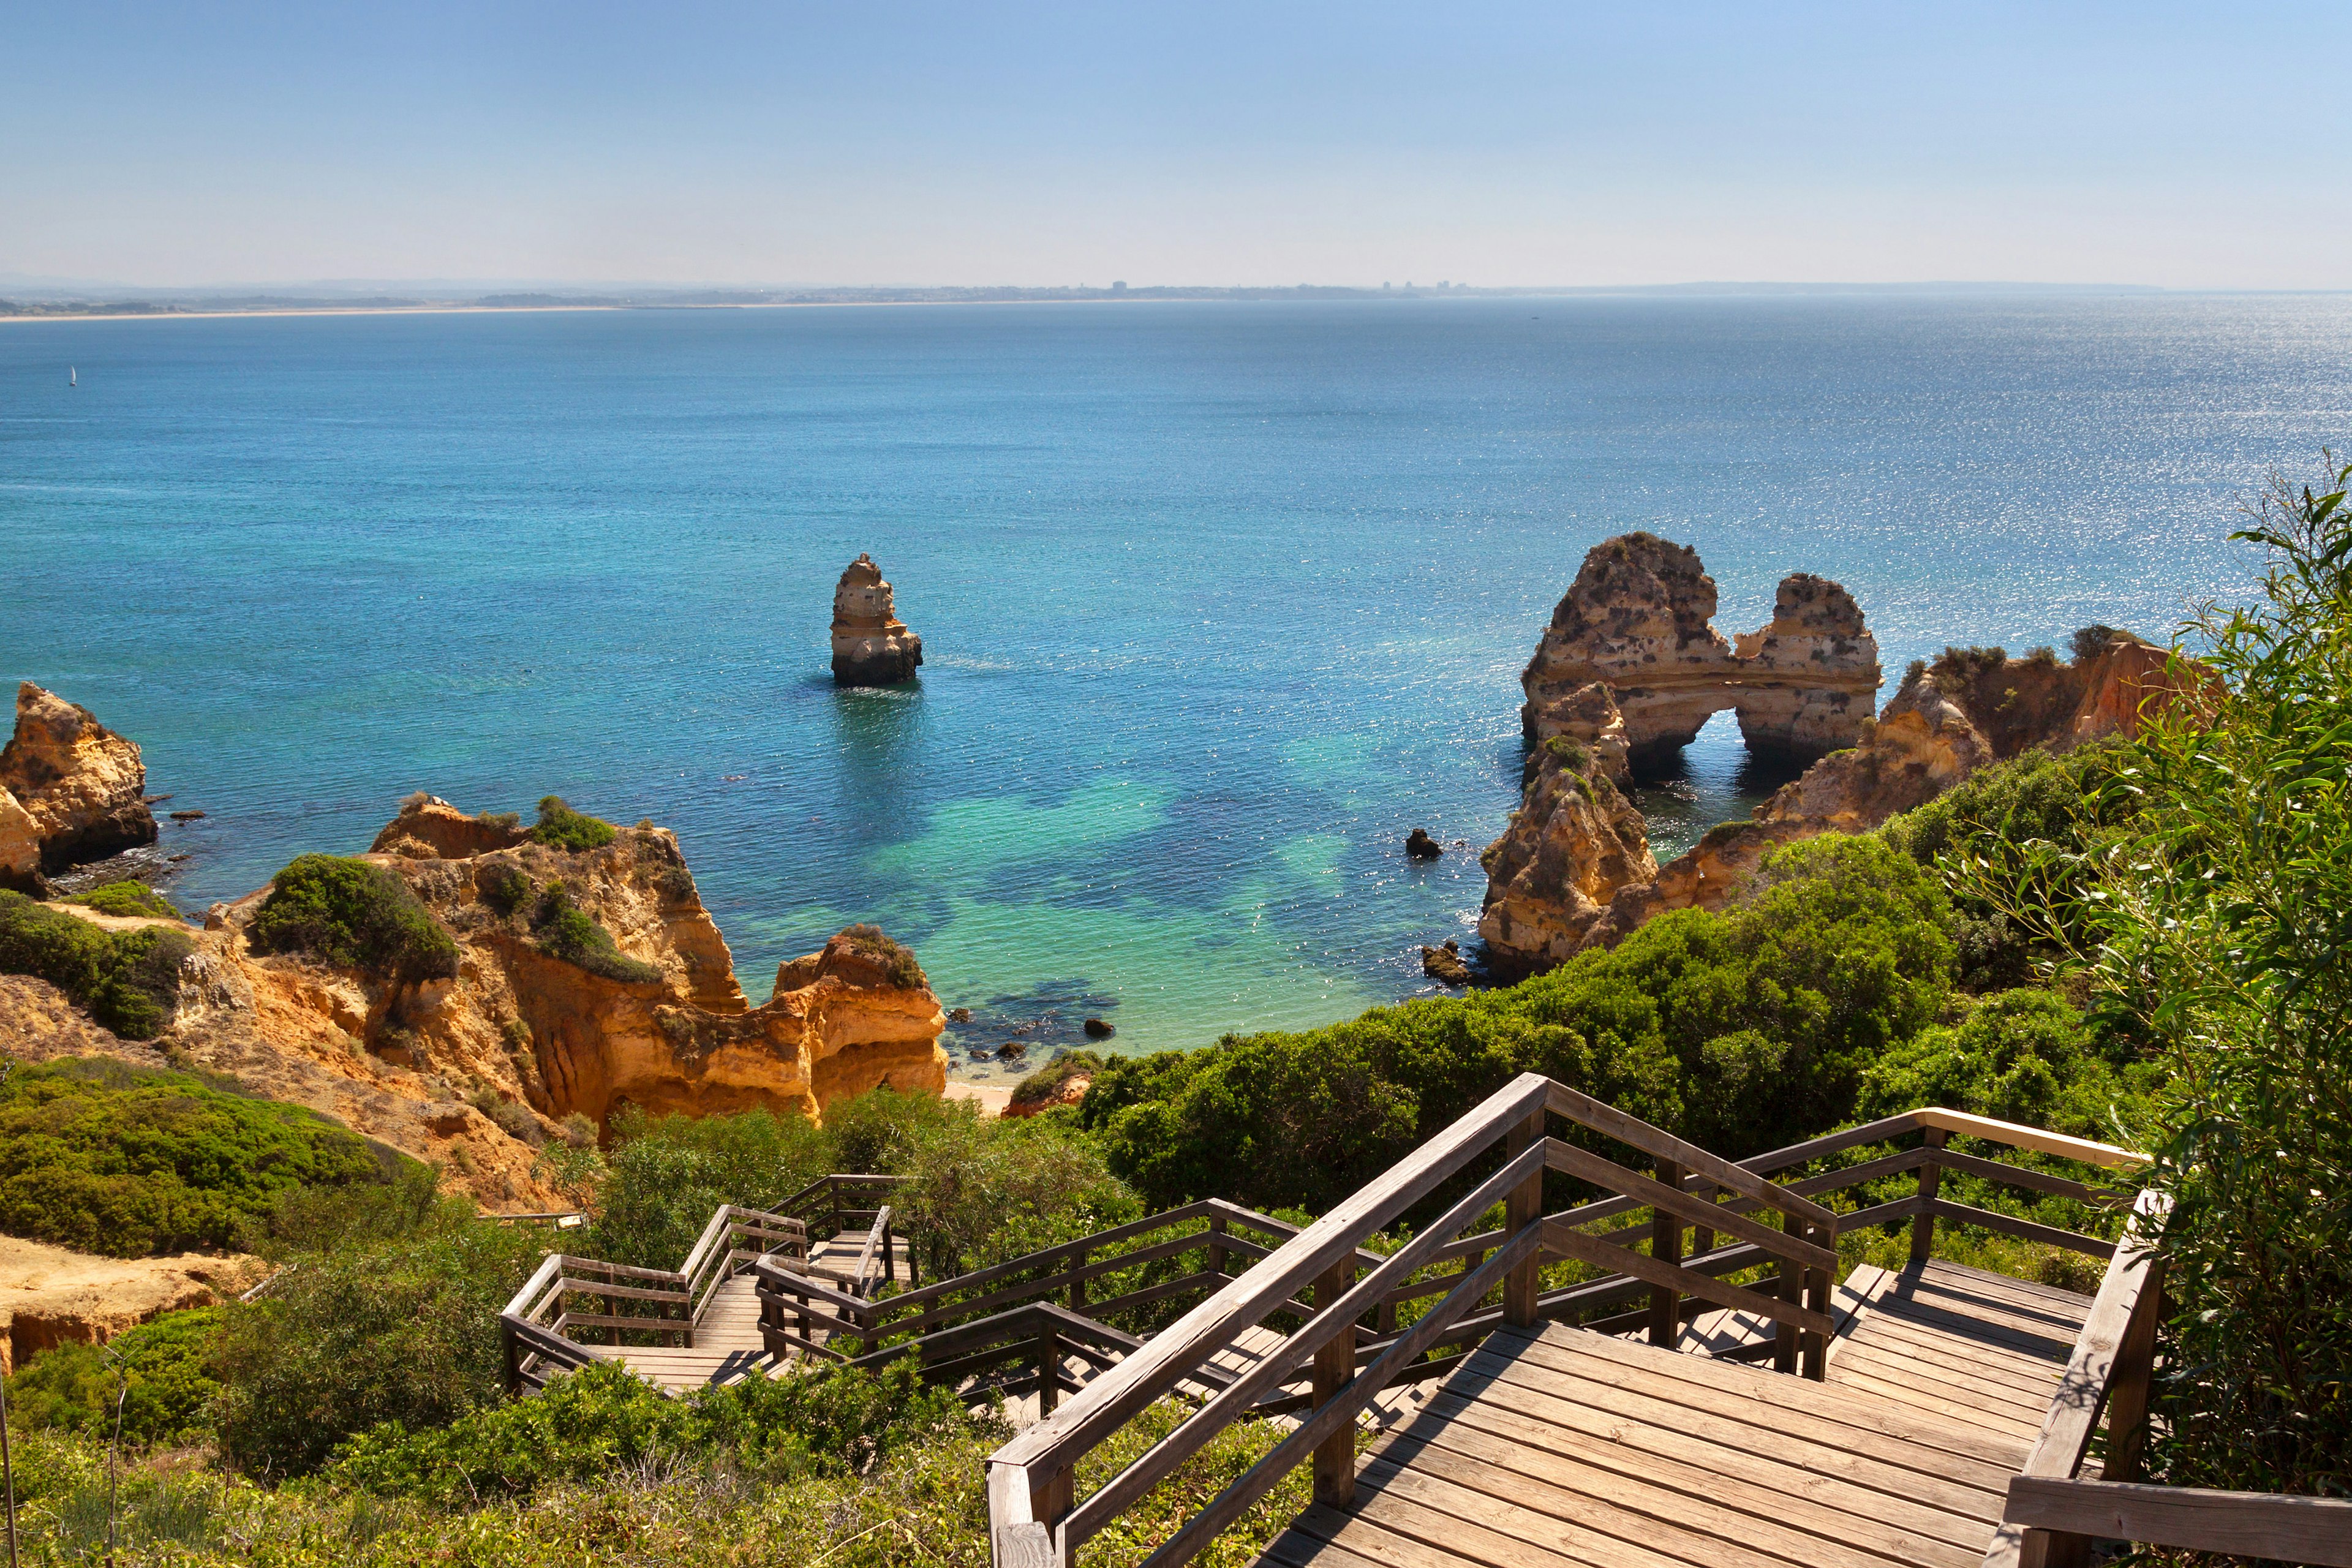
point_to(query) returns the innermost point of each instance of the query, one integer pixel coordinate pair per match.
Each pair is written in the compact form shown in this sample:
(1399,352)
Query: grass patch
(351,914)
(127,979)
(560,828)
(127,900)
(104,1157)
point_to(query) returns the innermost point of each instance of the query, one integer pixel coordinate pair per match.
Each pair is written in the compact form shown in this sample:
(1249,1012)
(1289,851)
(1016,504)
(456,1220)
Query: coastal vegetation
(346,912)
(2142,942)
(560,828)
(567,931)
(126,980)
(125,901)
(104,1157)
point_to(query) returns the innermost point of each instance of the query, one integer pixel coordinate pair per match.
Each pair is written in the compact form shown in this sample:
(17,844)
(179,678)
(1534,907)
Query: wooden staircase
(1559,1445)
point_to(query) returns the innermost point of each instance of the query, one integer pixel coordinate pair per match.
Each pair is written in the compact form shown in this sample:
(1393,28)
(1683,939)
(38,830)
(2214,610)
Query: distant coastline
(99,304)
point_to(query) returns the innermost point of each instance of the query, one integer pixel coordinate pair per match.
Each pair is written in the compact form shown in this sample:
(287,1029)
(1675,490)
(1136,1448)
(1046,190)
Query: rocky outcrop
(1970,708)
(1443,964)
(430,829)
(1639,620)
(1420,845)
(50,1295)
(481,1072)
(69,784)
(871,647)
(1573,843)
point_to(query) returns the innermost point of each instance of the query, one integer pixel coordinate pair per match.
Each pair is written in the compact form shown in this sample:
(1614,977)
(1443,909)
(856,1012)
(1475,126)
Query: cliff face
(1573,844)
(871,647)
(1639,620)
(71,791)
(480,1072)
(1561,878)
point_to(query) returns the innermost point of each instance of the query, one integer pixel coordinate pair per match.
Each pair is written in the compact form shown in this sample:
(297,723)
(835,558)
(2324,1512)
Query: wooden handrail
(1036,1520)
(2268,1525)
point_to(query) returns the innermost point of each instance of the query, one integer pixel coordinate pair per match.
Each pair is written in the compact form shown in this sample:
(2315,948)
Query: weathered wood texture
(1562,1446)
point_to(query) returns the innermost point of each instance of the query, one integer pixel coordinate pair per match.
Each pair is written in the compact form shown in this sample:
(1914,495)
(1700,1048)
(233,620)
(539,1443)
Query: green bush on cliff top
(560,828)
(350,913)
(104,1157)
(126,979)
(127,900)
(565,930)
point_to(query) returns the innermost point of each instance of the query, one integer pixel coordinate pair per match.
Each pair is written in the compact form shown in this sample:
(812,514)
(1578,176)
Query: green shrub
(1042,1086)
(560,828)
(2216,921)
(349,913)
(402,1330)
(897,960)
(604,1418)
(668,1174)
(104,1157)
(566,932)
(502,888)
(165,1395)
(126,901)
(1738,1029)
(128,980)
(511,1117)
(1569,753)
(2022,1056)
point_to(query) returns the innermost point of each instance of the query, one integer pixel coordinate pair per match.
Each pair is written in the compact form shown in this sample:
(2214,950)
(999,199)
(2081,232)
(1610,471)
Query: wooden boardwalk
(1561,1446)
(727,1344)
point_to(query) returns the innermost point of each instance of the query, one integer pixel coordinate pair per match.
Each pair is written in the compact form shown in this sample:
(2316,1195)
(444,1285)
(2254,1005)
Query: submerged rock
(1099,1029)
(71,791)
(1445,963)
(871,647)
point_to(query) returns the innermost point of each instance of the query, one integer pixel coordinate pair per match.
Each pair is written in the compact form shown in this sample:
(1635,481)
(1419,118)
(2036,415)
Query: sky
(1496,144)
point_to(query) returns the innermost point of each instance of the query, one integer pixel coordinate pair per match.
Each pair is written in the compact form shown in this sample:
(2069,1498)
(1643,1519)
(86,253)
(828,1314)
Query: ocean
(1218,600)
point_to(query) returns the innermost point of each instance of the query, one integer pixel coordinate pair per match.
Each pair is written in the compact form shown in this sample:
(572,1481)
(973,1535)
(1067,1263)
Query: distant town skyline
(1508,145)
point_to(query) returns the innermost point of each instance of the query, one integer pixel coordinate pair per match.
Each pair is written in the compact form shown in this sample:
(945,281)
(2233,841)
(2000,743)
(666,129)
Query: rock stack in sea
(1639,620)
(71,791)
(871,647)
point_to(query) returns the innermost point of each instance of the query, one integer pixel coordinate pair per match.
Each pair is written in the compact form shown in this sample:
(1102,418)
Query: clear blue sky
(2181,145)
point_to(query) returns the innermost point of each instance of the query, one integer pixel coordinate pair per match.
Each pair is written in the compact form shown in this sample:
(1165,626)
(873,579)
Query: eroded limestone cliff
(1640,620)
(1572,873)
(71,790)
(481,1071)
(871,647)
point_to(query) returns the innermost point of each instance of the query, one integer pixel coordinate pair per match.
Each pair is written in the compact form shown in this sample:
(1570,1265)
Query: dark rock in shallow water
(1012,1050)
(958,1014)
(1445,963)
(1420,845)
(1099,1029)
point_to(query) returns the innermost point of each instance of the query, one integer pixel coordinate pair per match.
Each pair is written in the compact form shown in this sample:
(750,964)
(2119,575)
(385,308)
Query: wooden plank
(1822,1411)
(1576,1244)
(1433,1514)
(1782,1521)
(2080,1150)
(2307,1529)
(1779,1484)
(1585,1165)
(1952,1278)
(1111,1400)
(1372,1541)
(623,1293)
(2050,1235)
(2009,1421)
(1612,1405)
(2066,1434)
(1949,1380)
(1900,1337)
(1659,1144)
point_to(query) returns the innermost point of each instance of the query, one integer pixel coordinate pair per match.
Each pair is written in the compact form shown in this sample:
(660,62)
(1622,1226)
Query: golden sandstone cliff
(1616,683)
(71,791)
(520,1048)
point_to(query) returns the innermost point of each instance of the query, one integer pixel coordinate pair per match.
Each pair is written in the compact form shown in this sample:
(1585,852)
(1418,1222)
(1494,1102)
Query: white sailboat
(73,377)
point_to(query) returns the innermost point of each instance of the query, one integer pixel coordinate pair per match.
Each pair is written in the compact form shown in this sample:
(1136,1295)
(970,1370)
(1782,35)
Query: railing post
(1791,1289)
(1216,1246)
(1524,1285)
(1077,1281)
(1923,1224)
(1703,1236)
(2052,1549)
(513,1357)
(1666,1246)
(1335,1366)
(1818,1284)
(1049,1368)
(2128,1387)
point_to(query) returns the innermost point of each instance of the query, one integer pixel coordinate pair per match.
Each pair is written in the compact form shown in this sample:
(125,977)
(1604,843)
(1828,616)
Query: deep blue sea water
(1217,600)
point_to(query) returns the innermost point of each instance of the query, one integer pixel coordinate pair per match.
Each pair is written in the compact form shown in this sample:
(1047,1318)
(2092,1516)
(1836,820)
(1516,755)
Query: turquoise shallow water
(1218,600)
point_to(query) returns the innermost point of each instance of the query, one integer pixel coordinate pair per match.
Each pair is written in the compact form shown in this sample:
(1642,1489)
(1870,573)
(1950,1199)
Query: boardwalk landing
(727,1340)
(1557,1446)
